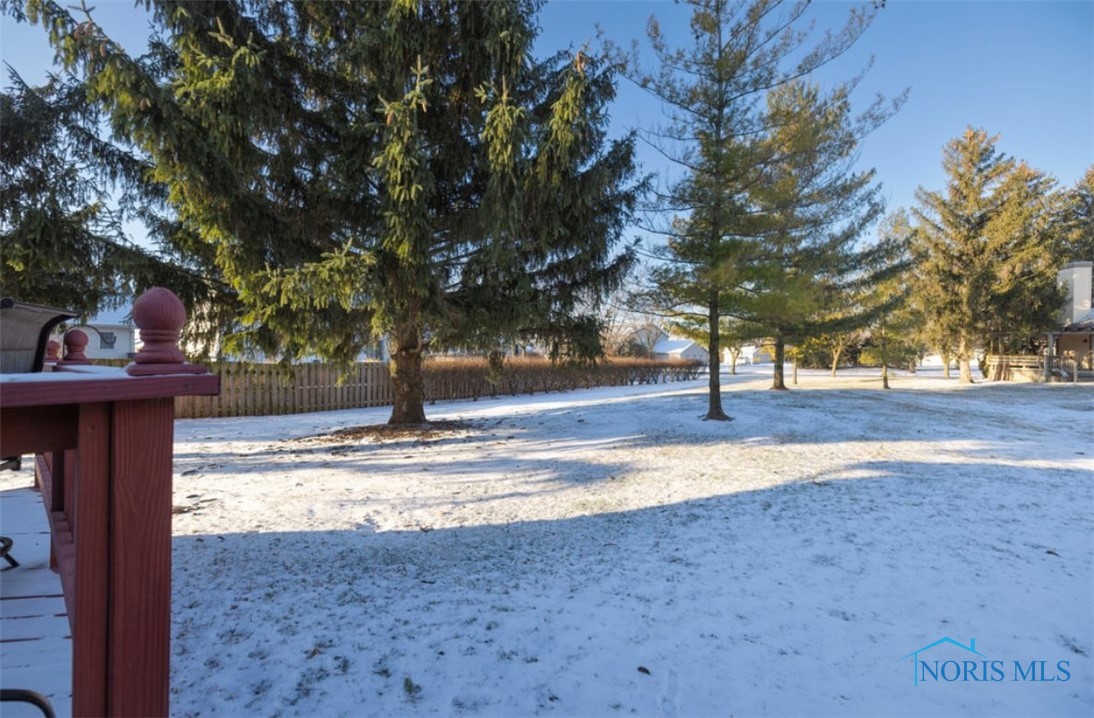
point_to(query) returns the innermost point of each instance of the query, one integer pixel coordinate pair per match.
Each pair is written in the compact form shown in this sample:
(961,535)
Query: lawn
(607,552)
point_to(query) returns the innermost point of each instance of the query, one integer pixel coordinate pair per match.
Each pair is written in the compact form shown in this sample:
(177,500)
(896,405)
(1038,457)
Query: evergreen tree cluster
(397,168)
(764,224)
(987,250)
(66,196)
(317,175)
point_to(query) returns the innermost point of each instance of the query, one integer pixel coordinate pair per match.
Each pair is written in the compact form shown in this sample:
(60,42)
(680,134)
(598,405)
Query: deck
(35,638)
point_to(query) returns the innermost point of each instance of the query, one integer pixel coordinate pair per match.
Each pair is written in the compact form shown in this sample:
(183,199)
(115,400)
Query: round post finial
(160,316)
(53,351)
(75,343)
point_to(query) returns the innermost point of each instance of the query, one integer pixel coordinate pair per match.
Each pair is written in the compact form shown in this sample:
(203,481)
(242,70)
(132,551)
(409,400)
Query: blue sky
(1023,70)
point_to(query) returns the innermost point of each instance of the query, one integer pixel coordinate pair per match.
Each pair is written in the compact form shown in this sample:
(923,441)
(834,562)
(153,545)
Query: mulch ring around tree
(388,432)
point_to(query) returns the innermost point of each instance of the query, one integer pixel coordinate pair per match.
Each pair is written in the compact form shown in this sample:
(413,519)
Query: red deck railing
(103,441)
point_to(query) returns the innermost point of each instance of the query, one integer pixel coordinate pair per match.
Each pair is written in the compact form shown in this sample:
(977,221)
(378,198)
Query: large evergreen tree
(401,168)
(67,201)
(714,133)
(1077,220)
(985,250)
(807,273)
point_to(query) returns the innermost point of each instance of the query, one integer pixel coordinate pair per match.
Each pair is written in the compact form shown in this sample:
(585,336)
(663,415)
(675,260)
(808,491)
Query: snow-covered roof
(671,346)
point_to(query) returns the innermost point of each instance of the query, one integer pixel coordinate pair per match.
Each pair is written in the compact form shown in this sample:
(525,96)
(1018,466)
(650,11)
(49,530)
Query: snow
(670,346)
(607,552)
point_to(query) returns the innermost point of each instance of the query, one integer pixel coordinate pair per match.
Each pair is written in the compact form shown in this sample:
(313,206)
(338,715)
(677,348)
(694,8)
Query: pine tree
(714,134)
(1077,219)
(984,249)
(62,228)
(400,168)
(807,272)
(1024,298)
(895,337)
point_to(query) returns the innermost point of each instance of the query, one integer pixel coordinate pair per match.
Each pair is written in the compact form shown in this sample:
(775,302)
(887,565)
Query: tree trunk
(406,375)
(963,355)
(884,361)
(794,371)
(734,355)
(714,408)
(946,366)
(835,360)
(780,360)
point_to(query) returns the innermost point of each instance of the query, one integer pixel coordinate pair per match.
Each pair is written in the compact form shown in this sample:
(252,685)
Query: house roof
(1082,324)
(671,346)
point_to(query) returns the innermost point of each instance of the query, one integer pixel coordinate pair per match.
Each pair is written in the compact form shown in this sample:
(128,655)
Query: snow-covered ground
(607,552)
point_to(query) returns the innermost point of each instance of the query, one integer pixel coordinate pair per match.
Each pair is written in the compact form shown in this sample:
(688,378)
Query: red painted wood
(34,429)
(104,441)
(43,478)
(65,473)
(160,315)
(140,548)
(90,620)
(102,386)
(76,341)
(63,559)
(52,495)
(55,497)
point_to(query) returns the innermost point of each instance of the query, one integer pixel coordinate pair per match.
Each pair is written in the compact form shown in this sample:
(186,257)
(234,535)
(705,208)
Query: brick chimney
(1075,279)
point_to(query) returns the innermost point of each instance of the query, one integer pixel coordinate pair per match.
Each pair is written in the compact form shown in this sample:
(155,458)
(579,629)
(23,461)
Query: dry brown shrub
(472,377)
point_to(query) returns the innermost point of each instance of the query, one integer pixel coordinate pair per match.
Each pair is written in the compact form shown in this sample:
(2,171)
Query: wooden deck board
(35,638)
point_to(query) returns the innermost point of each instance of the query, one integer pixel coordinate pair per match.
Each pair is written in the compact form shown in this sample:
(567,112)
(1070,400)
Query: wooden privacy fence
(270,389)
(253,389)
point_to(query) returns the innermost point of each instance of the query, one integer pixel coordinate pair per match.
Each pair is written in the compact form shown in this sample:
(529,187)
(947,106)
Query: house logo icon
(914,655)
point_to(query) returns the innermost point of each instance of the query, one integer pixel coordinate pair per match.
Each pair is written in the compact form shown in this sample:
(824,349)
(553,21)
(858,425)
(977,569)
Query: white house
(110,334)
(1076,280)
(1076,337)
(668,348)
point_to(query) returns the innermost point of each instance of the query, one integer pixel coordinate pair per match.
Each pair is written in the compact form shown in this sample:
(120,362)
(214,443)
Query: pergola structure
(1070,348)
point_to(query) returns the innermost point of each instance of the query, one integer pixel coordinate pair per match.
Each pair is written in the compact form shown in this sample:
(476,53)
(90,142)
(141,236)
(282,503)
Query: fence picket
(272,389)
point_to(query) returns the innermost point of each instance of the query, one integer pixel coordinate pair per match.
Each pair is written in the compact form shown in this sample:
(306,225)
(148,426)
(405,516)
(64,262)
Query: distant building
(668,348)
(1074,339)
(111,334)
(749,354)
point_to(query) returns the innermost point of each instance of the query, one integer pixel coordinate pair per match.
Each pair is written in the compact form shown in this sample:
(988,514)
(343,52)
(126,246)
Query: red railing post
(104,445)
(88,511)
(53,351)
(75,348)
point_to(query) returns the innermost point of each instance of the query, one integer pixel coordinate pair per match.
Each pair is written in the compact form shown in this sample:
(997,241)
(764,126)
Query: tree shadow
(794,599)
(557,425)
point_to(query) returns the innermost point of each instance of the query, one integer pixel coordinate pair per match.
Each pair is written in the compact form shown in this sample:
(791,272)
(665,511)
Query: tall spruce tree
(894,336)
(807,273)
(67,196)
(402,168)
(985,250)
(1077,220)
(713,92)
(1024,236)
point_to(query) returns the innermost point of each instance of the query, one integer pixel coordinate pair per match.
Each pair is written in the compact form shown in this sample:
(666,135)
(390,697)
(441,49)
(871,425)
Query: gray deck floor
(35,639)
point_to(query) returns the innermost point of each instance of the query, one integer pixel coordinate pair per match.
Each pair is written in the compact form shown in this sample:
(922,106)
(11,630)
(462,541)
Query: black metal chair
(20,695)
(5,549)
